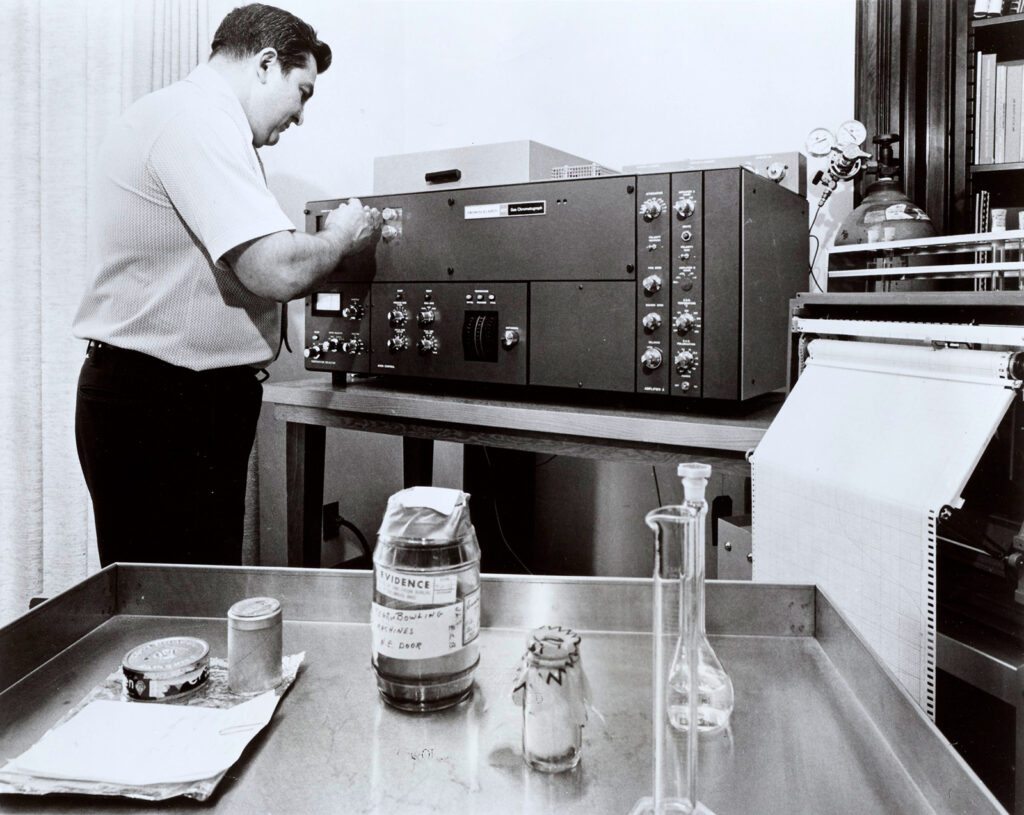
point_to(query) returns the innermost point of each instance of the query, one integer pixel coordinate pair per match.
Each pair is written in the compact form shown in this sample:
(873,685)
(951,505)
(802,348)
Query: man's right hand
(359,225)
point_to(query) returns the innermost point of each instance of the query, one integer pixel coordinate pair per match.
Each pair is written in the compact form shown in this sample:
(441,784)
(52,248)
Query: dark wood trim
(911,79)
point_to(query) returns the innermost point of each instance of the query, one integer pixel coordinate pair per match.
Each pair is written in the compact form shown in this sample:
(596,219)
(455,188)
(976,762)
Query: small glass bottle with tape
(552,689)
(425,617)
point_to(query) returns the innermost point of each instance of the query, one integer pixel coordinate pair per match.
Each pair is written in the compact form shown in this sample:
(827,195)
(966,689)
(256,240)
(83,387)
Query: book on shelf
(986,110)
(1014,112)
(999,128)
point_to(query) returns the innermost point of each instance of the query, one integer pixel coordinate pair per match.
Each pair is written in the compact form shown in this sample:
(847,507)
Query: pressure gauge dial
(820,141)
(851,132)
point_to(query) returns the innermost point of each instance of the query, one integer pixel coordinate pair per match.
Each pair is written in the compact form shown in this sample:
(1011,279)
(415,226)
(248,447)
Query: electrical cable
(497,513)
(355,531)
(657,489)
(817,246)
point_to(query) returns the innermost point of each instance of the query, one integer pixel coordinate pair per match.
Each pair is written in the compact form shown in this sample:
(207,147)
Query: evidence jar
(425,617)
(254,645)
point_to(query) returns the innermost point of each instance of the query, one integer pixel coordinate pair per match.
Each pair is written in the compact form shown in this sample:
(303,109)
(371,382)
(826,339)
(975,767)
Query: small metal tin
(254,645)
(166,669)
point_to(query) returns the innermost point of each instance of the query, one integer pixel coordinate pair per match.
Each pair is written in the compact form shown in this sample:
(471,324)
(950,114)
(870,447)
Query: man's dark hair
(249,29)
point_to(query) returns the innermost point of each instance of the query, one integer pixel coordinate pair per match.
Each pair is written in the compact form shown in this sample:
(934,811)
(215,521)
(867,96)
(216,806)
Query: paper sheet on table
(139,744)
(871,443)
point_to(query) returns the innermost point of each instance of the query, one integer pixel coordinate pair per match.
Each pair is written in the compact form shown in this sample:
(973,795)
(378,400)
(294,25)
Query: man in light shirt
(191,257)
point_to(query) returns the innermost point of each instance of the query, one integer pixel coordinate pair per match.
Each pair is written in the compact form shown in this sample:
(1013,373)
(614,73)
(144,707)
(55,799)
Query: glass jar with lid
(425,616)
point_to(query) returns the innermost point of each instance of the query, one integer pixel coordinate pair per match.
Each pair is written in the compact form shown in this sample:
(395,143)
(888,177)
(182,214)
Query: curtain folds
(77,66)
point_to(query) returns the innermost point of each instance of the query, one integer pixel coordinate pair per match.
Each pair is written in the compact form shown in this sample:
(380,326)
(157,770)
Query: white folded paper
(138,744)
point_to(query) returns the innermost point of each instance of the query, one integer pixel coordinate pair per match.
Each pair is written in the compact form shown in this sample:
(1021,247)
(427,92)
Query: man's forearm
(284,266)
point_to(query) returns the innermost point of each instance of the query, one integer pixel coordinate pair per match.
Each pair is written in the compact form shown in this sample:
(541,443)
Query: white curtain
(73,66)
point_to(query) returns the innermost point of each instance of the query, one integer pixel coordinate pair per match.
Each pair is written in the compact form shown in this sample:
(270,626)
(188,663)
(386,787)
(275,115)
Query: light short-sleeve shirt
(179,185)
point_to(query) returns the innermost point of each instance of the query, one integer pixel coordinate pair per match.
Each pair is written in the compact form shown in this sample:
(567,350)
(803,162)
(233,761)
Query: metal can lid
(167,657)
(255,612)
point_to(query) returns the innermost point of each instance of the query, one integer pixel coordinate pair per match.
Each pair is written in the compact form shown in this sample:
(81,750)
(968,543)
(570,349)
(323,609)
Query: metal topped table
(819,725)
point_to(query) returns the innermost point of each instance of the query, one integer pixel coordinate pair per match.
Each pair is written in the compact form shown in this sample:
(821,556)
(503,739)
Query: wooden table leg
(304,492)
(417,462)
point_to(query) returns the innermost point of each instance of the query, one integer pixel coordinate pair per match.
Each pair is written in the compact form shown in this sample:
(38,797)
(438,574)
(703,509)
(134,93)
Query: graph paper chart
(871,443)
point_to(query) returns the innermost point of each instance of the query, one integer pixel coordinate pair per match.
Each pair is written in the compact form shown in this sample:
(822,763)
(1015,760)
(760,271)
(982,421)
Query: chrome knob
(354,310)
(399,342)
(398,317)
(684,361)
(651,321)
(684,208)
(510,338)
(388,233)
(427,316)
(651,208)
(389,213)
(683,322)
(651,359)
(353,346)
(313,352)
(651,283)
(428,345)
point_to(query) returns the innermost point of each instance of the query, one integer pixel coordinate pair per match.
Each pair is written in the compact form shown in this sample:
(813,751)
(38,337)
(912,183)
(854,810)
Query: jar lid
(255,612)
(170,656)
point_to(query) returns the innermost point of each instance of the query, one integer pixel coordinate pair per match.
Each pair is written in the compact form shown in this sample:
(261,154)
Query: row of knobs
(682,324)
(652,208)
(652,358)
(398,317)
(353,346)
(428,344)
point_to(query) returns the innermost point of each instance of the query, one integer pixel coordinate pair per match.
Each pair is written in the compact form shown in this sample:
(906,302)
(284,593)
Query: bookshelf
(915,75)
(989,173)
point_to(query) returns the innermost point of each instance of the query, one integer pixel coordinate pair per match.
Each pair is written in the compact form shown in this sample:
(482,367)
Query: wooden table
(308,407)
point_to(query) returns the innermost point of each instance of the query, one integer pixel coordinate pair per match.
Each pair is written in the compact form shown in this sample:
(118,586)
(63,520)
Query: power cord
(817,246)
(497,513)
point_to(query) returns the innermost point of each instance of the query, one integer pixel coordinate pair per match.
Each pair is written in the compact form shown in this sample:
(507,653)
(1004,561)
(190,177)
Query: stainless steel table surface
(819,726)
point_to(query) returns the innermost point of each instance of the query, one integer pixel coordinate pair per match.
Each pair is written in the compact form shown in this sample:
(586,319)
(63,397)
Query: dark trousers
(165,453)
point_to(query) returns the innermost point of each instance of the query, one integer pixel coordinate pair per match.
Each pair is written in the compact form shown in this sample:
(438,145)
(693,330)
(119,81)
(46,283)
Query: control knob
(313,352)
(388,233)
(427,316)
(651,208)
(510,338)
(684,361)
(683,322)
(651,359)
(353,346)
(388,213)
(684,208)
(398,317)
(651,322)
(331,344)
(651,283)
(428,344)
(399,342)
(354,310)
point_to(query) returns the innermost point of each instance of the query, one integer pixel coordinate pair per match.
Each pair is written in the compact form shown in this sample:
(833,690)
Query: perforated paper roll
(872,442)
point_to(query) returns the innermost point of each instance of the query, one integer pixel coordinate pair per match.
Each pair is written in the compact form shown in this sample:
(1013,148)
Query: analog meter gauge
(851,132)
(820,141)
